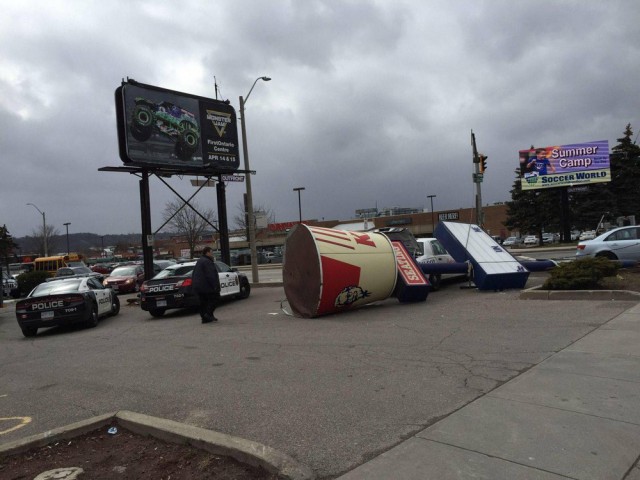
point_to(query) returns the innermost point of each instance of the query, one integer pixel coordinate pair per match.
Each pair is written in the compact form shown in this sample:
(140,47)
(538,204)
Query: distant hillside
(81,242)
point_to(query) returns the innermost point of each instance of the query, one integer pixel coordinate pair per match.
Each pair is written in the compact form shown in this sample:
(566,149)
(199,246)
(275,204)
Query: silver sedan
(618,244)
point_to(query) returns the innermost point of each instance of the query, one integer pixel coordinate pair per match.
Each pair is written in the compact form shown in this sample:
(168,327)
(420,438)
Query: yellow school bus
(52,264)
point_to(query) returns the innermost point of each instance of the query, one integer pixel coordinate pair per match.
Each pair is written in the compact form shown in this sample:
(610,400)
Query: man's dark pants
(208,303)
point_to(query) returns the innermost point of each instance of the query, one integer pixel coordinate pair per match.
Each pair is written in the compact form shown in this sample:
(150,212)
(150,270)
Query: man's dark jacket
(205,276)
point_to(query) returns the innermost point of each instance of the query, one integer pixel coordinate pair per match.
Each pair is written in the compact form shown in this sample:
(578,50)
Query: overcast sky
(371,103)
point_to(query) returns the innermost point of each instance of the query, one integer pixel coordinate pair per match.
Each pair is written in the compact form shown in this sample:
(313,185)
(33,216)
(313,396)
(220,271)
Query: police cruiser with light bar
(172,288)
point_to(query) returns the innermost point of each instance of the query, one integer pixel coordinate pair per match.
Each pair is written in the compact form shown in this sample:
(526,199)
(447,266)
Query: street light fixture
(298,189)
(433,222)
(250,216)
(67,225)
(44,229)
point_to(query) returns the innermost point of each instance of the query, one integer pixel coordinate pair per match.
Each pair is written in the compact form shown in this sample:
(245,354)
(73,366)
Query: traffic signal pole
(478,173)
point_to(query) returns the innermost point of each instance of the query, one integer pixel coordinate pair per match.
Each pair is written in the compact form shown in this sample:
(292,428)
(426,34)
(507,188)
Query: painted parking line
(16,422)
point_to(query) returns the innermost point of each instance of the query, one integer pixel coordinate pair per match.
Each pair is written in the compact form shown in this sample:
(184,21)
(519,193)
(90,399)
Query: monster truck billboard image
(163,128)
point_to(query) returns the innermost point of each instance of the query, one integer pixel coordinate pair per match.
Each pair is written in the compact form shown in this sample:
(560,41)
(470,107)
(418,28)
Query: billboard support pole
(565,220)
(145,215)
(223,231)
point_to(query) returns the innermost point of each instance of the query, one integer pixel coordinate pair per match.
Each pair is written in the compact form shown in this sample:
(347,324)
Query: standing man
(206,284)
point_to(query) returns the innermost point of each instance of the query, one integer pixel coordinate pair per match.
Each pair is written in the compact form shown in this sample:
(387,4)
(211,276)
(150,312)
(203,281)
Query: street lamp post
(433,222)
(298,189)
(44,229)
(250,216)
(67,225)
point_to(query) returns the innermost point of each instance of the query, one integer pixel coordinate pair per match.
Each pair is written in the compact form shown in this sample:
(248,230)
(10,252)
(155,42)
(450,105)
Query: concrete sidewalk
(576,415)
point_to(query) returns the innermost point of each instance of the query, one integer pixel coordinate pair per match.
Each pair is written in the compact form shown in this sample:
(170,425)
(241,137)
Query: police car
(65,301)
(172,288)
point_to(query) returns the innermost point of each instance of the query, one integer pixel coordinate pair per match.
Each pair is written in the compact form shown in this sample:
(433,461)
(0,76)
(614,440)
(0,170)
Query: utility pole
(433,218)
(67,225)
(479,165)
(298,189)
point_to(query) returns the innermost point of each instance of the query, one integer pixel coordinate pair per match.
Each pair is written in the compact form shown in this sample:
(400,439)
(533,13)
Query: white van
(432,251)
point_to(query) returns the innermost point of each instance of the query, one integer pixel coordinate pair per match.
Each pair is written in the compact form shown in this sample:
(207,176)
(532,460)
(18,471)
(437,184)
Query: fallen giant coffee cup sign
(330,271)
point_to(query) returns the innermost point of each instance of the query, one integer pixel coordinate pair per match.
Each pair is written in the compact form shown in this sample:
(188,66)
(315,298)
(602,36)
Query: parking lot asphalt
(468,384)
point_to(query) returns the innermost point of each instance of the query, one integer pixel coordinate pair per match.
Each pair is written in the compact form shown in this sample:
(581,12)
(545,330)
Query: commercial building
(420,223)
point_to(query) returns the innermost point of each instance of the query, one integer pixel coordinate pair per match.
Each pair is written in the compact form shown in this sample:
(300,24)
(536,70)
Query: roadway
(272,273)
(332,392)
(553,252)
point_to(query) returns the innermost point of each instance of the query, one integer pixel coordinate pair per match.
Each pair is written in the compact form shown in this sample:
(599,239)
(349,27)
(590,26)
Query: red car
(125,279)
(104,268)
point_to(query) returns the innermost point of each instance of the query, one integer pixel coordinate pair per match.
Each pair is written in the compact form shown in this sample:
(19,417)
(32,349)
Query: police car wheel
(93,317)
(245,289)
(115,305)
(157,312)
(29,331)
(435,280)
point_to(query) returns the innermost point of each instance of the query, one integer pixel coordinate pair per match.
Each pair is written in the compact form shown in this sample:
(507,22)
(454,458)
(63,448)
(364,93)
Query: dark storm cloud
(371,103)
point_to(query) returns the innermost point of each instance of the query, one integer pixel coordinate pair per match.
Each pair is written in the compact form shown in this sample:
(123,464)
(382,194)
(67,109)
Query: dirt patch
(126,455)
(627,279)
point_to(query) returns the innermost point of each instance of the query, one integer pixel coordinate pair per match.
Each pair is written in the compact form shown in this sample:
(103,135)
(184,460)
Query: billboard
(570,165)
(164,128)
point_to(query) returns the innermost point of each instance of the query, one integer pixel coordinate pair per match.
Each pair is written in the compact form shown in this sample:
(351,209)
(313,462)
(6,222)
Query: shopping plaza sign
(565,165)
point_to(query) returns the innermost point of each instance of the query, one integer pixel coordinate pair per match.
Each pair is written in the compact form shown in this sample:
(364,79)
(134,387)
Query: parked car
(512,242)
(587,235)
(65,301)
(125,279)
(531,240)
(104,268)
(159,265)
(70,271)
(432,251)
(9,286)
(621,243)
(172,288)
(550,238)
(271,257)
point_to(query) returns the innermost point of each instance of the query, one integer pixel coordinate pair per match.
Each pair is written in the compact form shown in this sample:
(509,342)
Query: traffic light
(483,162)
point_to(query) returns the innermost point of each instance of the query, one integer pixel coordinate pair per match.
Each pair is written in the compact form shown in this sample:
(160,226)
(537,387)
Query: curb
(536,293)
(266,284)
(244,451)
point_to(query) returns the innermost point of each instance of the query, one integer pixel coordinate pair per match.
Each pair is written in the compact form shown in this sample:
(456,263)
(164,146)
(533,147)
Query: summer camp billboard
(175,130)
(565,165)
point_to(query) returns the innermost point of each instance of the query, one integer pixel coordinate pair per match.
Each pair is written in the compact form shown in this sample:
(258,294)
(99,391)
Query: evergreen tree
(533,211)
(611,200)
(7,245)
(522,211)
(625,172)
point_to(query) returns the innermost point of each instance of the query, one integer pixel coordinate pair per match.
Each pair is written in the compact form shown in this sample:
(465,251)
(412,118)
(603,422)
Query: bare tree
(36,240)
(183,220)
(240,218)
